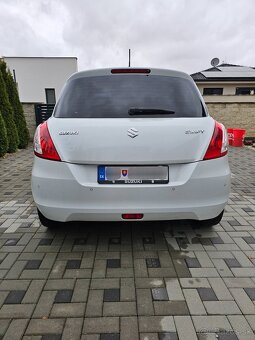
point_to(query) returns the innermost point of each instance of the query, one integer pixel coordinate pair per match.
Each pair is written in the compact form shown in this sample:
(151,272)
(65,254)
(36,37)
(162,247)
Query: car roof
(107,72)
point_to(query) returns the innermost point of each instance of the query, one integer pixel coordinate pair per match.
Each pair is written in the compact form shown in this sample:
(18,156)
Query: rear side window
(114,96)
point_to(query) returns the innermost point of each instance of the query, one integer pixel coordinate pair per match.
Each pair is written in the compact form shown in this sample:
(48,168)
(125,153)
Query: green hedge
(7,113)
(12,115)
(3,137)
(19,117)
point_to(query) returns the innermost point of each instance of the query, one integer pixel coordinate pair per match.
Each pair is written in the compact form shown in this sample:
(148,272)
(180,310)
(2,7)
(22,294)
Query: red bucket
(230,136)
(238,137)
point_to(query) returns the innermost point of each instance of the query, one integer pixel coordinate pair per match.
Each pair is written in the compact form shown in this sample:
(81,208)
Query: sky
(175,34)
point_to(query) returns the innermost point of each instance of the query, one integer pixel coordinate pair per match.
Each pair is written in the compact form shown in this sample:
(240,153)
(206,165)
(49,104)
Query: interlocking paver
(63,310)
(220,289)
(171,308)
(241,327)
(44,305)
(193,263)
(110,336)
(95,303)
(77,273)
(104,283)
(194,283)
(161,280)
(15,296)
(73,264)
(232,263)
(140,268)
(127,290)
(16,311)
(159,294)
(129,328)
(250,292)
(194,302)
(207,294)
(113,263)
(101,325)
(81,289)
(72,329)
(152,263)
(174,290)
(111,295)
(239,282)
(45,326)
(185,328)
(144,302)
(63,295)
(221,307)
(168,336)
(16,329)
(52,337)
(58,284)
(243,300)
(210,323)
(119,309)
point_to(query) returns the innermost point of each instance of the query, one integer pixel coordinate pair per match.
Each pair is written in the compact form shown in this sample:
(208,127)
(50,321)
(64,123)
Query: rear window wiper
(141,111)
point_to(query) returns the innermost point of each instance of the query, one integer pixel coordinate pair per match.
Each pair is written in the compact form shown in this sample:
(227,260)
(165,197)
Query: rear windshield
(114,96)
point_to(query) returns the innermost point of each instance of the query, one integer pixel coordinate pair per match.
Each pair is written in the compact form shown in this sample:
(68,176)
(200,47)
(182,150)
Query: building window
(245,91)
(50,96)
(212,91)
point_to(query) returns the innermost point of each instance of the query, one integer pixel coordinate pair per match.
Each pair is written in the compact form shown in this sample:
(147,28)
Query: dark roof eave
(223,79)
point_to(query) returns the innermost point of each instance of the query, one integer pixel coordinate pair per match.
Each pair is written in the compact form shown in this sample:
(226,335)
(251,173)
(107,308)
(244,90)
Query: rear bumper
(68,192)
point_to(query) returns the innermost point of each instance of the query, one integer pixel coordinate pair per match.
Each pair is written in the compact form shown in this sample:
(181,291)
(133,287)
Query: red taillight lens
(131,70)
(43,144)
(132,216)
(218,144)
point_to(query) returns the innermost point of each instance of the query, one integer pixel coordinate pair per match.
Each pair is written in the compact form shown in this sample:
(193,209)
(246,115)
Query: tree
(19,117)
(7,113)
(3,137)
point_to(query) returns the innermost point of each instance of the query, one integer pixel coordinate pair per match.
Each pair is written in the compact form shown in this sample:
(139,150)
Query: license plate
(133,174)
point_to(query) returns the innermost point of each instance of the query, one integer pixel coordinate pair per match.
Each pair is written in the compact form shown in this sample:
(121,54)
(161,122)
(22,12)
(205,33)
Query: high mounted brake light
(131,70)
(43,144)
(218,146)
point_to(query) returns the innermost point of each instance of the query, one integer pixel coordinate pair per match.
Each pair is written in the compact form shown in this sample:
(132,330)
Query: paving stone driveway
(151,281)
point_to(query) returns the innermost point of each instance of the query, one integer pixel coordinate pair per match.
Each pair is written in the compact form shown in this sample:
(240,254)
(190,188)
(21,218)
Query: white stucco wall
(35,74)
(229,90)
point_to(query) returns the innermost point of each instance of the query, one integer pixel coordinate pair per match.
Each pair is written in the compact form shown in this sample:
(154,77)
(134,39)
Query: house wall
(230,109)
(237,115)
(229,89)
(229,99)
(34,75)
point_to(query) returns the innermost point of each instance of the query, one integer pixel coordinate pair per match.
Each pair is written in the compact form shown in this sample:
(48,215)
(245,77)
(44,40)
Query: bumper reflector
(132,216)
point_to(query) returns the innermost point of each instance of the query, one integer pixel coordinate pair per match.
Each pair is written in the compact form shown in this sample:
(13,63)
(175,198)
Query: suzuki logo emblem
(132,132)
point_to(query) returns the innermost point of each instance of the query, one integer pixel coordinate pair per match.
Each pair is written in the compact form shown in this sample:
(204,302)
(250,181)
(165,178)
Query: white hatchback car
(130,144)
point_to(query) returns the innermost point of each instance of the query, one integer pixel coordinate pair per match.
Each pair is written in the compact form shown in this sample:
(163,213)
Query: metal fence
(43,112)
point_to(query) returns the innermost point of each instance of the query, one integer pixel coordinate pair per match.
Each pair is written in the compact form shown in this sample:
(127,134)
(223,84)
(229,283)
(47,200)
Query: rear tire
(46,222)
(211,222)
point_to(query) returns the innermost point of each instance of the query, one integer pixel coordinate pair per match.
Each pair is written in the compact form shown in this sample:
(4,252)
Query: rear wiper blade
(141,111)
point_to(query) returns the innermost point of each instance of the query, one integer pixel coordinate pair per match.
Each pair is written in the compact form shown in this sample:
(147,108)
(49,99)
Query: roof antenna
(129,57)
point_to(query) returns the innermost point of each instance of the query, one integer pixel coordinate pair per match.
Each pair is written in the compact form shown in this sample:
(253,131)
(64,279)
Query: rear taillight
(43,144)
(218,146)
